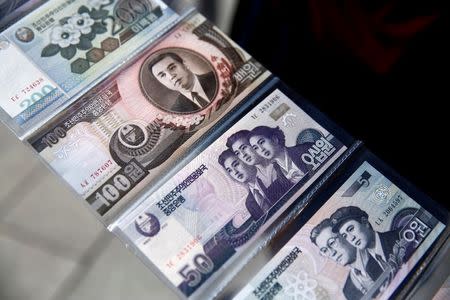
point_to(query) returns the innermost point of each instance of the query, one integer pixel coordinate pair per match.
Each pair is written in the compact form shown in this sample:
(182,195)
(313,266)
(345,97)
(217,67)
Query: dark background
(378,70)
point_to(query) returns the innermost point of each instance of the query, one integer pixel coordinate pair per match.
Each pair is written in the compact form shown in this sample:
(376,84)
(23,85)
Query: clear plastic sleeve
(324,253)
(208,218)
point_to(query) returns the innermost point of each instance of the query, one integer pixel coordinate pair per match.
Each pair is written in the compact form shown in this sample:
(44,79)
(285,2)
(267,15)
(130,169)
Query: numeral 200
(36,97)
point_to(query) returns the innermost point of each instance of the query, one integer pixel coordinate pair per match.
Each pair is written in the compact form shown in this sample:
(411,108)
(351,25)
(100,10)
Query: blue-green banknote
(12,10)
(64,47)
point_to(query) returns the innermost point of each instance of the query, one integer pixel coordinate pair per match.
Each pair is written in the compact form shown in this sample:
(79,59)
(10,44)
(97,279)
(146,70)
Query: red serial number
(185,251)
(30,87)
(102,169)
(97,173)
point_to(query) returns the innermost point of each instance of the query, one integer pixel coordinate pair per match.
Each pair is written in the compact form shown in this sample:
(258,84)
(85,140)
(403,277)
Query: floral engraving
(77,31)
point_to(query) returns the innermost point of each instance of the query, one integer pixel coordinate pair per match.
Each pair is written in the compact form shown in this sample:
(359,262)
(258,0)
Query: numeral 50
(203,265)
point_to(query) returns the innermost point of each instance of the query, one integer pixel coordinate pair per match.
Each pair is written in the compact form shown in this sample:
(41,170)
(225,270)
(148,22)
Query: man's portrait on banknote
(348,238)
(178,81)
(355,246)
(336,248)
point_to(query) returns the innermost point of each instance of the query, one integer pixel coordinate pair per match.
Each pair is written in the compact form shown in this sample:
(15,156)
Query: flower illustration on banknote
(64,36)
(81,22)
(77,31)
(300,286)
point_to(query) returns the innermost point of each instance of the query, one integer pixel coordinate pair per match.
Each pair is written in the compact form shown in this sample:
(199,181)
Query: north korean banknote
(125,133)
(62,47)
(361,244)
(225,197)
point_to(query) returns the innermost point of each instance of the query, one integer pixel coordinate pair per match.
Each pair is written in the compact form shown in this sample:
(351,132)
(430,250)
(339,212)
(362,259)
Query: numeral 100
(52,138)
(111,192)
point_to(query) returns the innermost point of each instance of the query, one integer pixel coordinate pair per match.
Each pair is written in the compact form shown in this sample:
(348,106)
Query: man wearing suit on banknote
(333,246)
(269,143)
(374,248)
(196,91)
(353,224)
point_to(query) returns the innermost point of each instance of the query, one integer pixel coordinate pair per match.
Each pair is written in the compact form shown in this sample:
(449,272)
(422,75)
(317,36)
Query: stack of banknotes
(221,179)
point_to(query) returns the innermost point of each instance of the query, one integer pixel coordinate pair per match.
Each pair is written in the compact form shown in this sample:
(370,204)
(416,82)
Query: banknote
(123,134)
(63,47)
(12,10)
(228,194)
(361,244)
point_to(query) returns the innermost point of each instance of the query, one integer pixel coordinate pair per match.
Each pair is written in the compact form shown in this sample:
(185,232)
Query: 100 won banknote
(125,133)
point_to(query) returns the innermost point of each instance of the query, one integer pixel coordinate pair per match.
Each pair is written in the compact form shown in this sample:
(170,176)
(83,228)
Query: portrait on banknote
(24,34)
(139,122)
(260,160)
(67,45)
(361,244)
(231,191)
(353,242)
(179,80)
